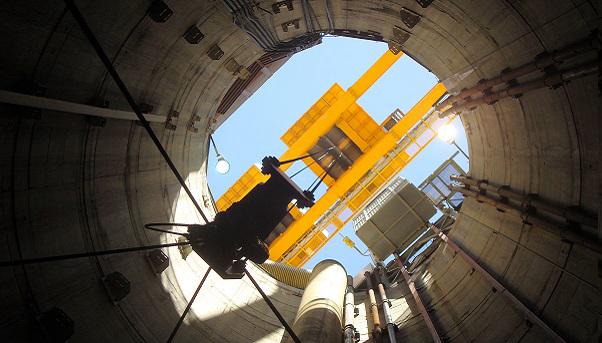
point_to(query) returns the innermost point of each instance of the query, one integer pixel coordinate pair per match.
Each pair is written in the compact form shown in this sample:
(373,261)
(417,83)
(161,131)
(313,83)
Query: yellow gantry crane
(367,156)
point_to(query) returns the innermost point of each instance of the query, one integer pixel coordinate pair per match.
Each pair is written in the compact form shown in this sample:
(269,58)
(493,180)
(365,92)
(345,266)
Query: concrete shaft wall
(70,185)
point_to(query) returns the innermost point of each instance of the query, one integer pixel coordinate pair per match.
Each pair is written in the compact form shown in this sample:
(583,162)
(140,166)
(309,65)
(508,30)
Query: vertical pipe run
(376,330)
(499,287)
(320,315)
(386,309)
(423,311)
(349,329)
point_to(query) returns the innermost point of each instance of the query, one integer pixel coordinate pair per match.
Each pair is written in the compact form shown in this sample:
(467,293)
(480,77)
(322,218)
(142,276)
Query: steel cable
(79,18)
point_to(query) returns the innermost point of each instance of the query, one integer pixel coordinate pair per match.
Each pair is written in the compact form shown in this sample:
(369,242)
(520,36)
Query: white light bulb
(222,166)
(447,133)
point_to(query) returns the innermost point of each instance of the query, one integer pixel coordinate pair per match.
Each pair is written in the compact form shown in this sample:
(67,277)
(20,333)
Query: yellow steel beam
(373,73)
(321,126)
(361,166)
(340,224)
(352,134)
(356,199)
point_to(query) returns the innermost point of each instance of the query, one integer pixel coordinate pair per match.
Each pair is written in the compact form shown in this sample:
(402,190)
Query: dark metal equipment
(56,325)
(241,230)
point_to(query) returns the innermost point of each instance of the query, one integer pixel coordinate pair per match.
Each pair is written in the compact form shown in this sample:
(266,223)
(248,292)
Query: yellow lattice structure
(371,185)
(380,152)
(354,122)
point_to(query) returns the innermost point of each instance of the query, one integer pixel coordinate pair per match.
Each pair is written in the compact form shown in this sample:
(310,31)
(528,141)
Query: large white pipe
(320,315)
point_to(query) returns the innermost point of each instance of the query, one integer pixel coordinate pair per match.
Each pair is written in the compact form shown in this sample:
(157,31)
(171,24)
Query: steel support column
(386,306)
(376,330)
(530,315)
(425,315)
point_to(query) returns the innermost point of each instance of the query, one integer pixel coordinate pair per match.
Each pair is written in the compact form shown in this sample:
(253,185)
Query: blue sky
(254,130)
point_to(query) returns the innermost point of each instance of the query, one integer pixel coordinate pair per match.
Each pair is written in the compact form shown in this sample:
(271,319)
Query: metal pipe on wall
(572,214)
(20,99)
(386,305)
(320,315)
(423,311)
(534,219)
(376,330)
(541,62)
(551,80)
(349,328)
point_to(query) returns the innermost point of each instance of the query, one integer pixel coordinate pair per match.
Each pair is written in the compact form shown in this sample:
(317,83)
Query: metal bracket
(215,52)
(117,286)
(193,35)
(157,260)
(394,47)
(185,250)
(400,36)
(552,79)
(526,206)
(170,123)
(409,17)
(159,11)
(290,25)
(280,4)
(206,201)
(232,66)
(191,123)
(236,69)
(424,3)
(380,304)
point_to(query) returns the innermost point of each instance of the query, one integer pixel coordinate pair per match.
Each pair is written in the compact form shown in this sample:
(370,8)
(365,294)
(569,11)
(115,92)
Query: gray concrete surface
(68,185)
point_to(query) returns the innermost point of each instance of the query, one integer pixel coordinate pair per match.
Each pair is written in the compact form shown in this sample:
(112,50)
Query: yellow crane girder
(360,167)
(370,186)
(314,131)
(378,162)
